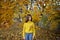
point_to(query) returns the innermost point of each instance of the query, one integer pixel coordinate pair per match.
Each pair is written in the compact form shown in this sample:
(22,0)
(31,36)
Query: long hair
(27,17)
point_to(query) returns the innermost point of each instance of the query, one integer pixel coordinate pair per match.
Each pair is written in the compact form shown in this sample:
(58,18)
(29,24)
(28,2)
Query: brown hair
(27,17)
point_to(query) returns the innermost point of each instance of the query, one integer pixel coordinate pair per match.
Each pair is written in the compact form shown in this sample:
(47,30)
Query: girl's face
(29,18)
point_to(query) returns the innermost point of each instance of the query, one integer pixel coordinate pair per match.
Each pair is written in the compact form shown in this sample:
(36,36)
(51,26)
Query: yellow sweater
(28,27)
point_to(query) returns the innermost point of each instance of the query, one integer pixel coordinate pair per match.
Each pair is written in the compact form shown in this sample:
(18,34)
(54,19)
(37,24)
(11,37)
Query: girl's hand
(24,38)
(33,37)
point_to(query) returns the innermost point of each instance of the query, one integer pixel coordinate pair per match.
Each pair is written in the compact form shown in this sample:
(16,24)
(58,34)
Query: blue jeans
(28,36)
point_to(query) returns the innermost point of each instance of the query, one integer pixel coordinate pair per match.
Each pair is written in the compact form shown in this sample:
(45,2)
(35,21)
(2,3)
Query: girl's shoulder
(25,23)
(32,22)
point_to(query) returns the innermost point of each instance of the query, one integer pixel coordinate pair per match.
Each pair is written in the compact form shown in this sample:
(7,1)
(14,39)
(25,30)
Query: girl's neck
(29,21)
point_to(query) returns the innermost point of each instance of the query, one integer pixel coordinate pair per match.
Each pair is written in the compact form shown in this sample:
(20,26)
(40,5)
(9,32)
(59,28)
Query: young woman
(28,28)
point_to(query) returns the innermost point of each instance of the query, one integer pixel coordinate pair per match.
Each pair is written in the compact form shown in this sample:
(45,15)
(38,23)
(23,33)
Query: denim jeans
(28,36)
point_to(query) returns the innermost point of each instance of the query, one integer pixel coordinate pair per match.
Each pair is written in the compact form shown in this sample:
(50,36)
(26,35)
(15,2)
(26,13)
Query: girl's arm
(24,31)
(33,30)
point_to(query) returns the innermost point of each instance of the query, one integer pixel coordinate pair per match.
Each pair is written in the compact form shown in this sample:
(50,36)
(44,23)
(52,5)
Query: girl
(28,28)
